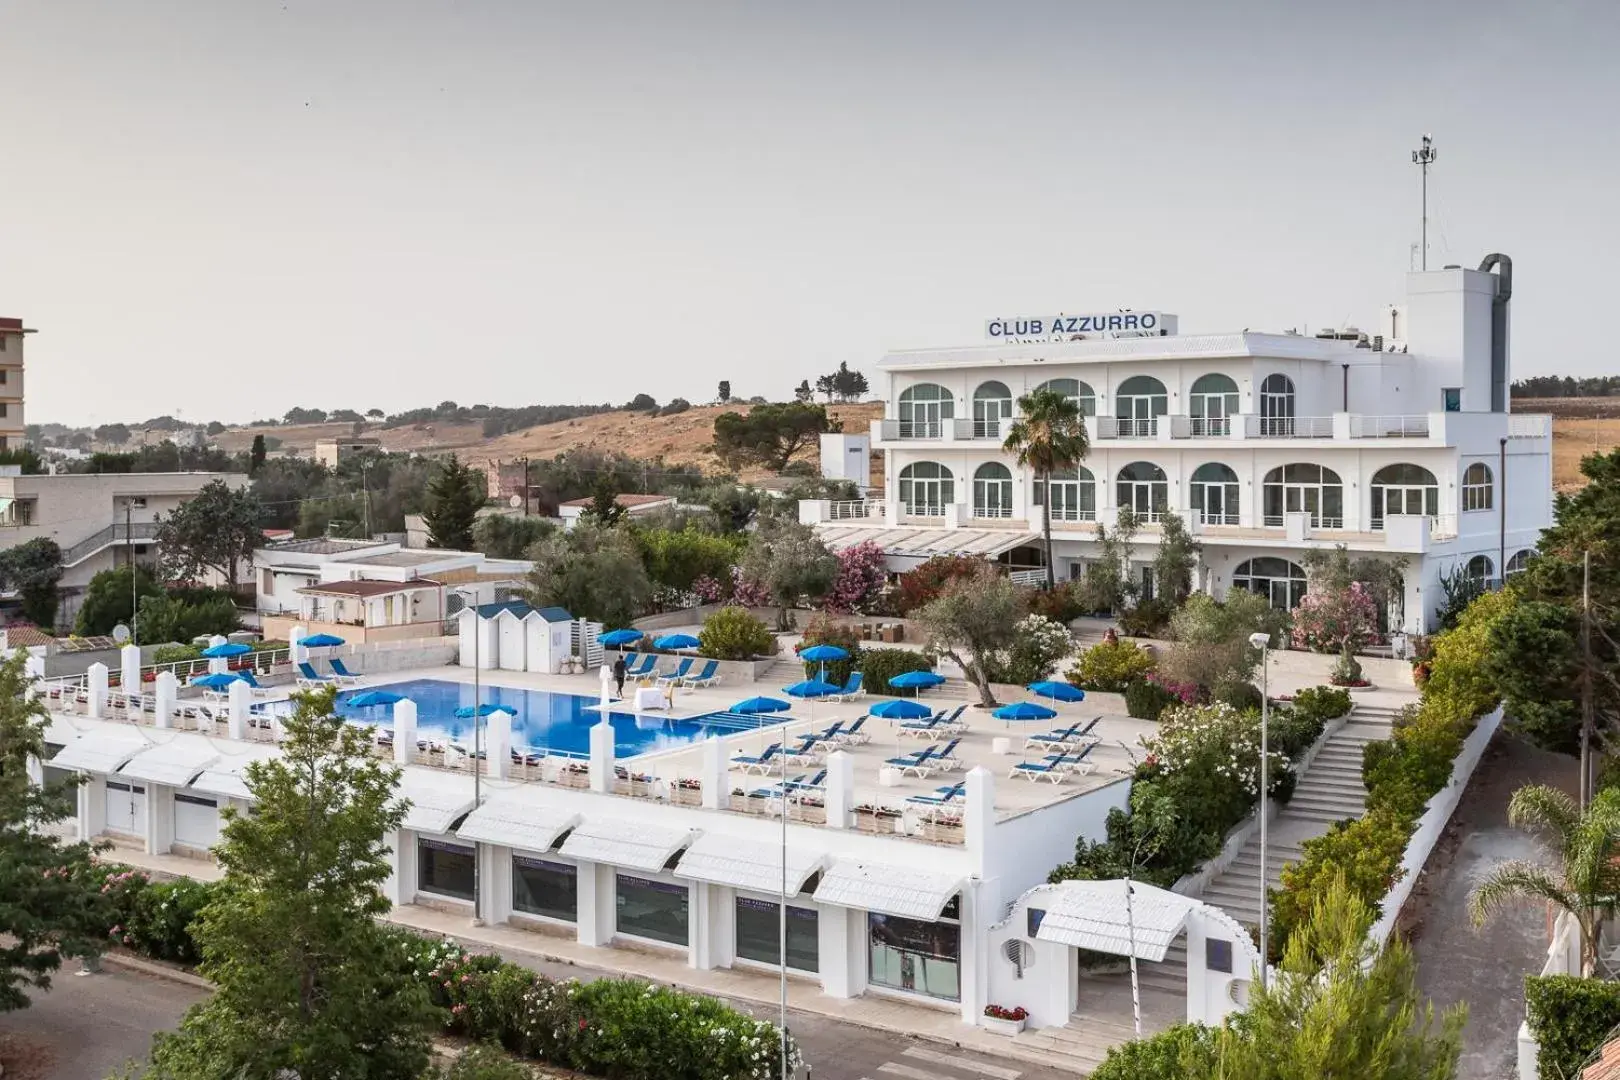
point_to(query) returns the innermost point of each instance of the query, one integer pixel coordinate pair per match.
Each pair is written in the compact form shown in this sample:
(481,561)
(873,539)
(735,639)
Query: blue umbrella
(755,705)
(811,688)
(217,681)
(226,648)
(368,698)
(467,712)
(1057,691)
(614,639)
(321,641)
(677,641)
(916,680)
(1023,710)
(823,655)
(900,709)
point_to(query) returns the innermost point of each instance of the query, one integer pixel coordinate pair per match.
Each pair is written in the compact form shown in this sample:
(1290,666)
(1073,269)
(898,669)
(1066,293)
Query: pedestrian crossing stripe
(956,1066)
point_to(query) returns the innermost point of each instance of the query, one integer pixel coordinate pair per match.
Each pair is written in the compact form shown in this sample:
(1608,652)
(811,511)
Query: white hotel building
(1397,443)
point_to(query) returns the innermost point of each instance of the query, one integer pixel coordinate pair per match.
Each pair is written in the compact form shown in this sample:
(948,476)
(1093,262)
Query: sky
(220,209)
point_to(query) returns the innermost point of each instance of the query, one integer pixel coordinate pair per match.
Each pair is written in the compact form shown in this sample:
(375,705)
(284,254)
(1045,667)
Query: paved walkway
(88,1026)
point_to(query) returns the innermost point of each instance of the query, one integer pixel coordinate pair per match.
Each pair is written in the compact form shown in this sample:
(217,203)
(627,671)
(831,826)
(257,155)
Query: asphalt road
(86,1027)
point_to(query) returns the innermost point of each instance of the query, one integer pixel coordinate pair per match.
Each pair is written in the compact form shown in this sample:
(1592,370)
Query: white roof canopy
(924,543)
(747,864)
(437,798)
(518,818)
(174,762)
(100,751)
(1091,915)
(224,777)
(632,844)
(888,890)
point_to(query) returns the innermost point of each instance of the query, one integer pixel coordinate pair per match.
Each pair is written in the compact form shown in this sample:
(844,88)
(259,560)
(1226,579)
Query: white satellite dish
(120,633)
(515,501)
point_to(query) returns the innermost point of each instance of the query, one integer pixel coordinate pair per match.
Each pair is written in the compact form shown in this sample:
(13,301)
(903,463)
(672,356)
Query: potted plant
(1005,1021)
(745,802)
(637,785)
(809,809)
(943,828)
(576,774)
(874,818)
(688,791)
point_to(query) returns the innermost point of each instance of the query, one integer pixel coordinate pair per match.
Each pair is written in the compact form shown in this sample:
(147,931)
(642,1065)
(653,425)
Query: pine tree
(256,455)
(309,985)
(51,904)
(454,498)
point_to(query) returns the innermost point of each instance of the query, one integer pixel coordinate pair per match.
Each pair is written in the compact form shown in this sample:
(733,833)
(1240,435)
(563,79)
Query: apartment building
(12,333)
(1400,443)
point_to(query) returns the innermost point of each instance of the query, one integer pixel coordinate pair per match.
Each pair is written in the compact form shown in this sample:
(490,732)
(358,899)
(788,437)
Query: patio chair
(1065,739)
(673,678)
(637,666)
(853,735)
(247,676)
(953,722)
(815,783)
(1074,761)
(943,796)
(921,763)
(829,734)
(309,678)
(924,729)
(1051,769)
(342,674)
(946,758)
(761,762)
(707,677)
(852,689)
(808,752)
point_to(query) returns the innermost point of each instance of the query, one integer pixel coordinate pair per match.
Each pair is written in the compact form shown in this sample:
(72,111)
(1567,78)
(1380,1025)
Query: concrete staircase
(1329,791)
(1103,1015)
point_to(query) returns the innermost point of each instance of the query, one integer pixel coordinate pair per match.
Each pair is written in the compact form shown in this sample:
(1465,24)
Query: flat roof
(1176,347)
(368,587)
(624,500)
(322,545)
(413,558)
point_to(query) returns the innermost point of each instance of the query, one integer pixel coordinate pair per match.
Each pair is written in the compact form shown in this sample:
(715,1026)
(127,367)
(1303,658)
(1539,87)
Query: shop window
(544,888)
(444,869)
(759,934)
(915,956)
(656,910)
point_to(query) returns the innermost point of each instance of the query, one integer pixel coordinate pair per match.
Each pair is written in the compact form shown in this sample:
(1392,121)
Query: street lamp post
(1262,641)
(478,763)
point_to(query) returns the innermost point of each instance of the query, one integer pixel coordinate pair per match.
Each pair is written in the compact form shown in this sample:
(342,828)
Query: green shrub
(1111,668)
(487,1063)
(1061,603)
(1293,730)
(1236,693)
(1367,851)
(173,654)
(1570,1017)
(823,629)
(1150,618)
(732,633)
(1182,1050)
(878,666)
(636,1031)
(1145,700)
(1323,702)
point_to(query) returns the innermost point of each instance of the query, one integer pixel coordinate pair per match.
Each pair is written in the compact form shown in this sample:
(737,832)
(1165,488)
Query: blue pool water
(557,723)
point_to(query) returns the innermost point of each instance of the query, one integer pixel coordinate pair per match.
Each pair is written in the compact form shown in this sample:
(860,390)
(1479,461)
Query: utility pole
(525,483)
(1424,156)
(1586,678)
(365,495)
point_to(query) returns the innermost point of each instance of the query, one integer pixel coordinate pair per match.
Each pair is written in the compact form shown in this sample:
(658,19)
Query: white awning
(1091,915)
(100,751)
(437,798)
(224,777)
(925,543)
(518,818)
(174,762)
(747,864)
(630,844)
(888,890)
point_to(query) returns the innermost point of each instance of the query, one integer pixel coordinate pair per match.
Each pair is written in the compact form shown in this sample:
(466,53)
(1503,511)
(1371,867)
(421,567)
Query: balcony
(952,430)
(857,510)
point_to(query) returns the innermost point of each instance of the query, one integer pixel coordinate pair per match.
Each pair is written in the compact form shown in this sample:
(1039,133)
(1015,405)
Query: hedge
(1111,666)
(1145,700)
(1570,1017)
(623,1029)
(1176,1051)
(878,666)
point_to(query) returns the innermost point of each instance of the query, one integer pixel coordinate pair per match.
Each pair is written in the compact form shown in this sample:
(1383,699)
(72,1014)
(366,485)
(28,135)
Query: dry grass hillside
(682,439)
(1581,426)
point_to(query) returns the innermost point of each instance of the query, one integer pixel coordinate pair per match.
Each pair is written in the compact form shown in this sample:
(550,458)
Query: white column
(404,731)
(238,696)
(294,636)
(835,946)
(840,789)
(92,806)
(159,819)
(391,884)
(601,768)
(165,691)
(96,678)
(700,926)
(498,745)
(594,923)
(217,665)
(974,979)
(129,670)
(713,777)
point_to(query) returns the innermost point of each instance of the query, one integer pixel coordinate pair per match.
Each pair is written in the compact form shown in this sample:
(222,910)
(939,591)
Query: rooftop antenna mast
(1424,156)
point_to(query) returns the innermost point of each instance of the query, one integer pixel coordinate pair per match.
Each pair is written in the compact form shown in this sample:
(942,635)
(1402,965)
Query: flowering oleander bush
(861,577)
(1215,740)
(747,592)
(1038,644)
(710,590)
(1338,620)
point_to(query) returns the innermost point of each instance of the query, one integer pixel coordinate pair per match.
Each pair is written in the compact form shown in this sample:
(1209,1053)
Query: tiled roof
(888,890)
(1091,915)
(630,844)
(101,751)
(437,798)
(518,818)
(923,542)
(24,636)
(366,587)
(1607,1066)
(174,762)
(747,864)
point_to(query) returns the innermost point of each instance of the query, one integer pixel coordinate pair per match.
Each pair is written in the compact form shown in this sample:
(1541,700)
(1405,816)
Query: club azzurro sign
(1062,327)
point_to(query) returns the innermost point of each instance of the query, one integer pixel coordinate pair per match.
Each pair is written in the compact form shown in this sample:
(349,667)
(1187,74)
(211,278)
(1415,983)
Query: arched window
(1303,489)
(1278,580)
(992,491)
(1403,489)
(992,403)
(1081,392)
(1138,403)
(924,409)
(1277,406)
(1074,495)
(1215,494)
(1518,563)
(1143,488)
(1213,401)
(1480,570)
(926,488)
(1478,488)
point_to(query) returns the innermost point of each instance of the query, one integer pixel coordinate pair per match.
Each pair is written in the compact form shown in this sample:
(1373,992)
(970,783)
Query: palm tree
(1051,435)
(1587,845)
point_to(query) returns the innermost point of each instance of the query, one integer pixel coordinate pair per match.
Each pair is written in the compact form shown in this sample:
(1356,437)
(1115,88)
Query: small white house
(514,636)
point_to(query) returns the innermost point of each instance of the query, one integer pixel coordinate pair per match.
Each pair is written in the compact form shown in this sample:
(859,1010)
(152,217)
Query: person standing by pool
(619,670)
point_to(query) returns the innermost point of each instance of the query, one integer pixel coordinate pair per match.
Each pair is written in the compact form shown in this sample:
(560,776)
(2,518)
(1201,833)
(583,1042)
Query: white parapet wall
(1432,824)
(1563,958)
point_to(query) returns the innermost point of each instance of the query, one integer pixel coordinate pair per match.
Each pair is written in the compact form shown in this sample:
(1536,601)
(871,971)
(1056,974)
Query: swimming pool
(558,723)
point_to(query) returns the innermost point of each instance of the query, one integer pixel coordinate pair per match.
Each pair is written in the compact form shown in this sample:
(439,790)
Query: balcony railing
(138,532)
(965,430)
(1209,427)
(916,429)
(1318,521)
(1205,518)
(1127,427)
(1061,513)
(1389,427)
(856,509)
(1288,427)
(992,512)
